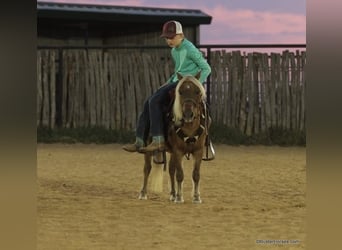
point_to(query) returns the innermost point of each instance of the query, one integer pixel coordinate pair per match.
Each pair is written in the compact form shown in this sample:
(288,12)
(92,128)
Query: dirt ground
(253,198)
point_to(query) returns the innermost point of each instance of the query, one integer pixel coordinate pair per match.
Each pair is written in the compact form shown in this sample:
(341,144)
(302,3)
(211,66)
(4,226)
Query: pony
(186,135)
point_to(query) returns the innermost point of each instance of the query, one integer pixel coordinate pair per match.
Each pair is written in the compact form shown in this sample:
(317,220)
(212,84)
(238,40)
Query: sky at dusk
(236,21)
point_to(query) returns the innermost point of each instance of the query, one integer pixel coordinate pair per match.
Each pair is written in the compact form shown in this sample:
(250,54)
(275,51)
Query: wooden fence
(258,91)
(107,88)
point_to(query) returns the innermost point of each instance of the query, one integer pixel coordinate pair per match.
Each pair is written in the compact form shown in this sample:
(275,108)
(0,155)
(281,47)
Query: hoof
(197,201)
(179,200)
(142,197)
(172,198)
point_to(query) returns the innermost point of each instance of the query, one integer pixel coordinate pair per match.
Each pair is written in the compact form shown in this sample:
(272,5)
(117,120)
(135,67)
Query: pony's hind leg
(147,170)
(196,178)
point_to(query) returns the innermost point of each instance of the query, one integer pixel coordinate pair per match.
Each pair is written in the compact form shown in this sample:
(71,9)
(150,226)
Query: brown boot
(131,147)
(154,146)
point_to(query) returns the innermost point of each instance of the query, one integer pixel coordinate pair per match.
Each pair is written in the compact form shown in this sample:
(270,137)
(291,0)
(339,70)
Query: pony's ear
(198,75)
(179,76)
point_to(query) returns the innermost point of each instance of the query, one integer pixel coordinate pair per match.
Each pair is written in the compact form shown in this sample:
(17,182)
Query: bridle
(192,139)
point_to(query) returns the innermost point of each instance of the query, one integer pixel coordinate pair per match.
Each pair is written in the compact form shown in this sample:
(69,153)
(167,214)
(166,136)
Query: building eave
(109,13)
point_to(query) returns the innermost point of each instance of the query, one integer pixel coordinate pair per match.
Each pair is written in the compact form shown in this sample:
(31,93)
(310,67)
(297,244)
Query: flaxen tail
(156,178)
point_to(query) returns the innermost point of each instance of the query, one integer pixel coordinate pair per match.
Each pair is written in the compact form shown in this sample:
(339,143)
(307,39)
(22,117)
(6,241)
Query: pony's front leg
(196,177)
(179,178)
(147,170)
(172,171)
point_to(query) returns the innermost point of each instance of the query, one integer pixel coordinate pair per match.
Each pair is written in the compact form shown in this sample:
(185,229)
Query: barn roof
(111,13)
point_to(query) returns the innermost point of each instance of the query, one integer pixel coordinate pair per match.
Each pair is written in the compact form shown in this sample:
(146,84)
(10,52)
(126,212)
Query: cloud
(257,22)
(248,26)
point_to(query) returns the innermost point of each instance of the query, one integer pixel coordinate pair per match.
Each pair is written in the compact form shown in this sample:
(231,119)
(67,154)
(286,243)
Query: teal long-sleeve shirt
(189,60)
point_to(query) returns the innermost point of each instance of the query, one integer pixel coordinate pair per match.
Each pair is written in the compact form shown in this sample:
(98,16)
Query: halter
(198,133)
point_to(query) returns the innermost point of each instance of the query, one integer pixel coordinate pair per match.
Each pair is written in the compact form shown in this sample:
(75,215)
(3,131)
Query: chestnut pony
(186,136)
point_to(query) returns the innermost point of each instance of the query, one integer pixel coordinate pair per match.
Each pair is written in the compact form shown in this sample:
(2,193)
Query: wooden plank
(102,102)
(298,91)
(103,76)
(130,100)
(288,92)
(119,90)
(237,88)
(303,84)
(45,88)
(67,72)
(107,88)
(75,89)
(81,83)
(255,92)
(262,91)
(118,78)
(225,70)
(123,92)
(213,87)
(273,91)
(87,107)
(52,73)
(250,95)
(219,93)
(99,89)
(283,97)
(293,91)
(71,90)
(267,89)
(93,90)
(218,85)
(146,76)
(111,87)
(243,95)
(153,76)
(39,87)
(234,86)
(112,84)
(233,81)
(64,85)
(279,88)
(139,95)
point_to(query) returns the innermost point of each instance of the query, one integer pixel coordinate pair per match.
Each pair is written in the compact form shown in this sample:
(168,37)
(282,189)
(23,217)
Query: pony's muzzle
(188,111)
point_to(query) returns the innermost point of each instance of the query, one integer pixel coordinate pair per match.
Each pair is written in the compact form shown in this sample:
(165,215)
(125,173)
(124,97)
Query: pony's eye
(180,92)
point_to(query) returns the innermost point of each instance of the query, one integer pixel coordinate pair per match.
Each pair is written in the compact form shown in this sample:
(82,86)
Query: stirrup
(209,151)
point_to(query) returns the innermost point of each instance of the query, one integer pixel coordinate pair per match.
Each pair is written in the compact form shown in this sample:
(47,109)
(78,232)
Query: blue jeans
(151,120)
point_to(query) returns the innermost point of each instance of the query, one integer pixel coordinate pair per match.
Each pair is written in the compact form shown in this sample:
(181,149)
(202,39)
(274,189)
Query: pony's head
(189,95)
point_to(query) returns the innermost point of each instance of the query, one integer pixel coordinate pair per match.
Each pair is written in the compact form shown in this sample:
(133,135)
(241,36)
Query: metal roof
(119,13)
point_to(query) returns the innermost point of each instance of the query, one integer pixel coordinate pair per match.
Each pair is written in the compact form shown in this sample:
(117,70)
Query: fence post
(208,79)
